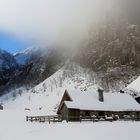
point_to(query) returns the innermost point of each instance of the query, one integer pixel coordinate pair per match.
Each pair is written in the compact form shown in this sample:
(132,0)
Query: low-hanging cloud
(52,21)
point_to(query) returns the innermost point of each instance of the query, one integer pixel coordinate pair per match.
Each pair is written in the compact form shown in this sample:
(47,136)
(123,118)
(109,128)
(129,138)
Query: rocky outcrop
(8,66)
(40,65)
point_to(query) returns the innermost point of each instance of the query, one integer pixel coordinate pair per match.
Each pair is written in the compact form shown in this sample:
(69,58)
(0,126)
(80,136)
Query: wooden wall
(1,107)
(74,114)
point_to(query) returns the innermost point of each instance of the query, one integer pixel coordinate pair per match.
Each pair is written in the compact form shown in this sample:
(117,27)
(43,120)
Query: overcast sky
(52,21)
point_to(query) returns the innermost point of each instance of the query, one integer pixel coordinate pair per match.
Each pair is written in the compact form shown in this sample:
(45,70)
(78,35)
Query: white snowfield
(44,100)
(14,127)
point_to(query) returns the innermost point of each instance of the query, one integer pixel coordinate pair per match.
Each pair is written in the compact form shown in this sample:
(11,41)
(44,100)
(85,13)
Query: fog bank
(58,22)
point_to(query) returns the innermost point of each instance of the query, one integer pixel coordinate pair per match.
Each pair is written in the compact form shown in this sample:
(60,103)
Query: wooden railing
(57,118)
(52,118)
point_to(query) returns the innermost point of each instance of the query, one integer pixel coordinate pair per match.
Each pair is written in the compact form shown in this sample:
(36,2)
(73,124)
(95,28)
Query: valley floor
(14,127)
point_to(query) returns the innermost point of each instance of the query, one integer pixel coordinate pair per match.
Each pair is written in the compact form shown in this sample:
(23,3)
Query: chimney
(100,94)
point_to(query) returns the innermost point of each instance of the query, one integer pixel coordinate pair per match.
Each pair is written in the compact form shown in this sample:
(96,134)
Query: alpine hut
(76,104)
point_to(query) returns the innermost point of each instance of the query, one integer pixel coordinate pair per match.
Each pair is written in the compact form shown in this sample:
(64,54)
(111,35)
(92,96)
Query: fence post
(53,119)
(49,120)
(31,119)
(26,118)
(67,119)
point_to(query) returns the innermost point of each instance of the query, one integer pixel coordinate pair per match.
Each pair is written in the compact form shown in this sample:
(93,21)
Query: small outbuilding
(1,107)
(75,104)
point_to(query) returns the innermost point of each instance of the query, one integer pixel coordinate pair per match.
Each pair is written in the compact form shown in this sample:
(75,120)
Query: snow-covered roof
(112,101)
(135,85)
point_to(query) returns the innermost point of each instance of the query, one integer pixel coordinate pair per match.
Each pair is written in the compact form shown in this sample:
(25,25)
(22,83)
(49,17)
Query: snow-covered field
(14,127)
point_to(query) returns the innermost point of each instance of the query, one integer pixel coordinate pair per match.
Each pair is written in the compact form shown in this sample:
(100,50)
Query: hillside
(113,49)
(45,97)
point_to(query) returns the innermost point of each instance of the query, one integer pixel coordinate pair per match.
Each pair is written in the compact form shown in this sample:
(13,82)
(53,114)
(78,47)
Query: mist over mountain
(32,67)
(132,10)
(63,22)
(101,36)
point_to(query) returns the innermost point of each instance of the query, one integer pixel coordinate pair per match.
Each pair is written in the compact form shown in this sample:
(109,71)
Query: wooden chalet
(76,104)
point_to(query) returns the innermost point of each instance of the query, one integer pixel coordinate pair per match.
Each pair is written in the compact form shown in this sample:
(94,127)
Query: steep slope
(134,87)
(114,49)
(27,55)
(45,97)
(34,66)
(112,45)
(23,58)
(42,64)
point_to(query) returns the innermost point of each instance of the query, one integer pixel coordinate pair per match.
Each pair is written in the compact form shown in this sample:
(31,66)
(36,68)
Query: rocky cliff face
(42,65)
(8,66)
(33,67)
(114,49)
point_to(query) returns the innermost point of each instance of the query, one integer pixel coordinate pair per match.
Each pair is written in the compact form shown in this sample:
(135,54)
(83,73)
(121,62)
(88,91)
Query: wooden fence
(57,118)
(52,118)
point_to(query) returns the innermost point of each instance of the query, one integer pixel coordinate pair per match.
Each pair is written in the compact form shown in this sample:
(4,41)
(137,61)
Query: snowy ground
(14,127)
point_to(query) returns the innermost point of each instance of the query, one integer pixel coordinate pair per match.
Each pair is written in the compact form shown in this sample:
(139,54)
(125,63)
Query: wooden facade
(66,113)
(75,114)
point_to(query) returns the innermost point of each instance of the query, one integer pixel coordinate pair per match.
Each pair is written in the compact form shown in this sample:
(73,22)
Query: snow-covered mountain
(45,97)
(7,61)
(41,64)
(109,57)
(7,66)
(22,58)
(25,56)
(34,66)
(112,52)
